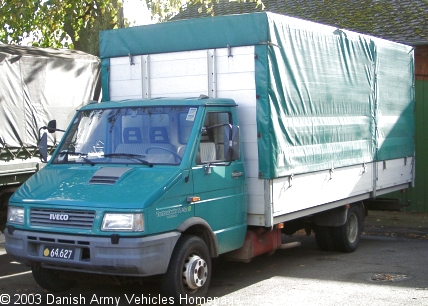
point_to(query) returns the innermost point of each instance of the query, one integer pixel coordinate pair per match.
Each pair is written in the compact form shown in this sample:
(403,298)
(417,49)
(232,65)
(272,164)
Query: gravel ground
(405,224)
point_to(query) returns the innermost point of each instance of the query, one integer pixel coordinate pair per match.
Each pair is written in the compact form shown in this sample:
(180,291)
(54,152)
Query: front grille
(62,218)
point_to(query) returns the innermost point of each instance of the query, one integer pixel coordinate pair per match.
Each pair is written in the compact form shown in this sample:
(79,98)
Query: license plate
(58,253)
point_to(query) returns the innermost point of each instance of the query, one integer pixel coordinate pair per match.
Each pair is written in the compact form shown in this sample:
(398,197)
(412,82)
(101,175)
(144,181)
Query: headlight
(123,222)
(15,215)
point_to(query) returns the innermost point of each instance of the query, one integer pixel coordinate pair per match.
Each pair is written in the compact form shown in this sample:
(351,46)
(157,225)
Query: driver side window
(211,146)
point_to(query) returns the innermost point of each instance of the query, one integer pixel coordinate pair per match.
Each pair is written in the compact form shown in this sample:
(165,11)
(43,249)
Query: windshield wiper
(131,156)
(81,155)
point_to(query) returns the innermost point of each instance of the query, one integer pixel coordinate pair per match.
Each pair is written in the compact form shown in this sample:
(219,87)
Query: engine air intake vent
(108,175)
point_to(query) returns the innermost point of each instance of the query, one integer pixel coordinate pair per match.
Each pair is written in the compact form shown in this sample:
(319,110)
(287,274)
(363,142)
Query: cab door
(219,184)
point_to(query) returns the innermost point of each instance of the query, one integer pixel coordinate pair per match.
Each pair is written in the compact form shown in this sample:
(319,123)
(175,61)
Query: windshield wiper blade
(73,153)
(129,155)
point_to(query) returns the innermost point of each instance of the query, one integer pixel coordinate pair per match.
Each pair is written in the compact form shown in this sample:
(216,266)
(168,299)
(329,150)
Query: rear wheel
(51,280)
(347,237)
(323,237)
(189,271)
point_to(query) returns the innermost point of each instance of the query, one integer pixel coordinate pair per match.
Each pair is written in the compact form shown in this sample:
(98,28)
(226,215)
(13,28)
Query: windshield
(138,135)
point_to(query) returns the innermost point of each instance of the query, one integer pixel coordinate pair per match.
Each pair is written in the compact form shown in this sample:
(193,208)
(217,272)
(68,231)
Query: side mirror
(43,143)
(231,142)
(43,148)
(51,126)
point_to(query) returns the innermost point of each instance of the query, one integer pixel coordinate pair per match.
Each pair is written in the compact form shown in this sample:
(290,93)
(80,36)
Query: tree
(74,24)
(163,10)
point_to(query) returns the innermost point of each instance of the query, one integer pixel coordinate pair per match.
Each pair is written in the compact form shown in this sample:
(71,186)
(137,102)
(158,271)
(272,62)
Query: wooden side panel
(125,78)
(394,172)
(313,189)
(421,63)
(181,74)
(235,79)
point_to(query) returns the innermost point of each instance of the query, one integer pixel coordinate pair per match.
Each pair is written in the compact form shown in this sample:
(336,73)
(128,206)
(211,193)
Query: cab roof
(198,101)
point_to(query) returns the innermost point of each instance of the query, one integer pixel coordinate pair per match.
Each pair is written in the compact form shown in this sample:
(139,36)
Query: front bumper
(131,256)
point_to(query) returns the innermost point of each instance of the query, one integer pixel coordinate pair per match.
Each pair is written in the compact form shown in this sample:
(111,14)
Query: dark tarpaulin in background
(38,85)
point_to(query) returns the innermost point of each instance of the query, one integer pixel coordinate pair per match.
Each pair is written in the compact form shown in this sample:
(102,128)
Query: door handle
(236,174)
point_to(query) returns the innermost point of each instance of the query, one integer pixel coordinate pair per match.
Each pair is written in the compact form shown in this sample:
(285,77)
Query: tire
(347,237)
(4,199)
(50,279)
(189,271)
(324,239)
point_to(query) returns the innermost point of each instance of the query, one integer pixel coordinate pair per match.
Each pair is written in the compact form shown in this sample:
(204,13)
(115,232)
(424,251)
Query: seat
(157,151)
(158,135)
(207,152)
(132,135)
(129,148)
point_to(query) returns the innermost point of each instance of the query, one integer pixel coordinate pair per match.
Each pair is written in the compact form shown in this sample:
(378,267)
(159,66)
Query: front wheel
(189,271)
(347,237)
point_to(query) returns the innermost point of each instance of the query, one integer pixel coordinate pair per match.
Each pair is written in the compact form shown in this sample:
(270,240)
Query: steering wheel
(165,149)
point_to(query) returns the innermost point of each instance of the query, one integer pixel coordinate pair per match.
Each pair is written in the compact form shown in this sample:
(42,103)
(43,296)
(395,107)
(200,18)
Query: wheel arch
(337,216)
(199,227)
(331,234)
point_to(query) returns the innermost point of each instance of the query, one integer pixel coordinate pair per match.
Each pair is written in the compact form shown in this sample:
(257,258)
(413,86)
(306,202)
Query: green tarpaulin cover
(327,97)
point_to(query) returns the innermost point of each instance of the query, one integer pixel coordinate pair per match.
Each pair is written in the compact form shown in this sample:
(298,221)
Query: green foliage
(163,10)
(75,24)
(57,23)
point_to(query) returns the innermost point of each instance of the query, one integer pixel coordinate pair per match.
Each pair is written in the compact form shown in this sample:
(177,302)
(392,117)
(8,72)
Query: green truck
(37,85)
(215,137)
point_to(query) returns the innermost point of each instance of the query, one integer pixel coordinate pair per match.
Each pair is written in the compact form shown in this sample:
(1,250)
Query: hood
(127,187)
